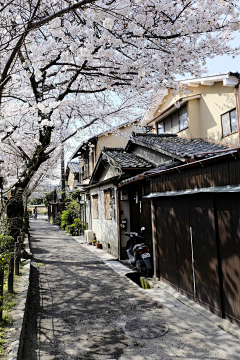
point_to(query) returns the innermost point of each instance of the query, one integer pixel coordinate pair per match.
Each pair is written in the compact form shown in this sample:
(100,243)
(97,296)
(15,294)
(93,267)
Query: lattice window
(107,204)
(95,206)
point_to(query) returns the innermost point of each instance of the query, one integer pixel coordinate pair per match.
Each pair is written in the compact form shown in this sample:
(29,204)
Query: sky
(225,63)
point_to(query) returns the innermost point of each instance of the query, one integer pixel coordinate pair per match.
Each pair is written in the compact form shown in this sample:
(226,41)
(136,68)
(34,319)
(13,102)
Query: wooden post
(11,274)
(16,259)
(1,293)
(118,222)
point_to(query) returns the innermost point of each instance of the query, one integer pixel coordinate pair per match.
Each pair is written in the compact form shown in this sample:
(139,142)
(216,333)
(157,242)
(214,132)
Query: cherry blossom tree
(67,66)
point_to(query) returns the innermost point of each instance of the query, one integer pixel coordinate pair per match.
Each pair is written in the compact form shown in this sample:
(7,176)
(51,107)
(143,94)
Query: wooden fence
(197,237)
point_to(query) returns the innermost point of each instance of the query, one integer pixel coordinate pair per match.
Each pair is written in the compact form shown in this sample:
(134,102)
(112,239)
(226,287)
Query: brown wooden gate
(202,223)
(173,247)
(197,245)
(228,217)
(167,262)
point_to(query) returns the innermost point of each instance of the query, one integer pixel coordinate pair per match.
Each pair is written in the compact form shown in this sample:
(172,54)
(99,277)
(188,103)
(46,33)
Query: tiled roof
(175,145)
(126,160)
(73,167)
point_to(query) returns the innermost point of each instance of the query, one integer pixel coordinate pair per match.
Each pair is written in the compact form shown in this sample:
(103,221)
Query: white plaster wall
(106,231)
(150,155)
(108,172)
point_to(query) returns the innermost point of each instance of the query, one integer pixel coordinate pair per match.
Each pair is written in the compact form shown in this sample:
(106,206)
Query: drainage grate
(146,327)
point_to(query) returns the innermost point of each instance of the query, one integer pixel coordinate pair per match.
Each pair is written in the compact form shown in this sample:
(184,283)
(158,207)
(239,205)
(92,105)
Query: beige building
(208,111)
(72,175)
(88,152)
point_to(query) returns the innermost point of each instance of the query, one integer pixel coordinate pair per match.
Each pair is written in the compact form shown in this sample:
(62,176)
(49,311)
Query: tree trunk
(15,213)
(11,275)
(1,293)
(16,258)
(25,218)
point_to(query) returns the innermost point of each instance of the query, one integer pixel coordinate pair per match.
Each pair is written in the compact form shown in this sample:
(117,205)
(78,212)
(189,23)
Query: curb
(14,335)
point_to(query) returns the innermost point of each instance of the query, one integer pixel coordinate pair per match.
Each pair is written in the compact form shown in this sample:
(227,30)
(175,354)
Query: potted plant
(99,246)
(94,242)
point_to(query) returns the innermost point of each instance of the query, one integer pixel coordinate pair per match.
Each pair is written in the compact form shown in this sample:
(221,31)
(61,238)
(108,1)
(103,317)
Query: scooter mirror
(143,228)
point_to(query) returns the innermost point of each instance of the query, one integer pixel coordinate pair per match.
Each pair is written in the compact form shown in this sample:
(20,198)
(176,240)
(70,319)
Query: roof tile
(175,145)
(73,167)
(126,160)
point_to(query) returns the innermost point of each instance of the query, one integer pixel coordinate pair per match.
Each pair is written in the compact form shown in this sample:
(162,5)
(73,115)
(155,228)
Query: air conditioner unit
(89,235)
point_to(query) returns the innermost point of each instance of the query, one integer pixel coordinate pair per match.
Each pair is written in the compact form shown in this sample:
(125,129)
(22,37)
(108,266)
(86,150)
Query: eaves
(102,182)
(204,162)
(173,107)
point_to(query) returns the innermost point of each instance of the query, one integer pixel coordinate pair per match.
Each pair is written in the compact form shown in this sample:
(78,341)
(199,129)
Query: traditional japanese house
(196,221)
(113,165)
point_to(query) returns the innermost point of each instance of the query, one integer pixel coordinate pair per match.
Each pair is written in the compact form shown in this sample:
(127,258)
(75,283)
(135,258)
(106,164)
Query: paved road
(81,309)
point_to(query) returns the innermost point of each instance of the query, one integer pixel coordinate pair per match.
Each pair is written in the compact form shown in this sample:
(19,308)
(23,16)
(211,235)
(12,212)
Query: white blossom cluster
(99,60)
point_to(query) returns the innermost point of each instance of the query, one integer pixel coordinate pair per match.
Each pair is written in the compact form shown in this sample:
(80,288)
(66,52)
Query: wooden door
(228,217)
(202,221)
(183,246)
(173,246)
(166,241)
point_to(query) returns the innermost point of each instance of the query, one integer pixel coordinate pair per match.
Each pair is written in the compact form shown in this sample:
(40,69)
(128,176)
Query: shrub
(57,220)
(6,243)
(6,249)
(76,228)
(67,218)
(71,212)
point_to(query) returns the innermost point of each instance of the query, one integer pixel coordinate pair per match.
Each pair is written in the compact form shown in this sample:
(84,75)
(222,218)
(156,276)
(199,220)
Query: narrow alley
(79,308)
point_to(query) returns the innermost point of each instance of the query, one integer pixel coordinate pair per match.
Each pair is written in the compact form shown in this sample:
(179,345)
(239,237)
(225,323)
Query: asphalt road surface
(79,308)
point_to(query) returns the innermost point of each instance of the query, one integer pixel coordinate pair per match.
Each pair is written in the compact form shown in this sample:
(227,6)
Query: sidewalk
(81,309)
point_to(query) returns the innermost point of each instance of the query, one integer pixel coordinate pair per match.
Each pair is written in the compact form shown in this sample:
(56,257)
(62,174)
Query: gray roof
(174,145)
(73,167)
(126,160)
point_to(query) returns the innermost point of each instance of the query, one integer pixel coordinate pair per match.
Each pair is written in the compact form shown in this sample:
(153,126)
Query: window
(95,206)
(160,127)
(86,168)
(182,116)
(107,205)
(175,122)
(229,122)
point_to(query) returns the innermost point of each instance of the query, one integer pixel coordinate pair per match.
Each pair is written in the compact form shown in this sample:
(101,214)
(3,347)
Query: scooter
(138,253)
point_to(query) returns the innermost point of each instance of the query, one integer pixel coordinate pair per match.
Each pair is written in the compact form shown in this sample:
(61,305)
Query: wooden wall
(209,175)
(200,234)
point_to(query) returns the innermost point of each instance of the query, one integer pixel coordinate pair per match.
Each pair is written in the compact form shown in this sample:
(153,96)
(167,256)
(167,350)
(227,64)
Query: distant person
(35,213)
